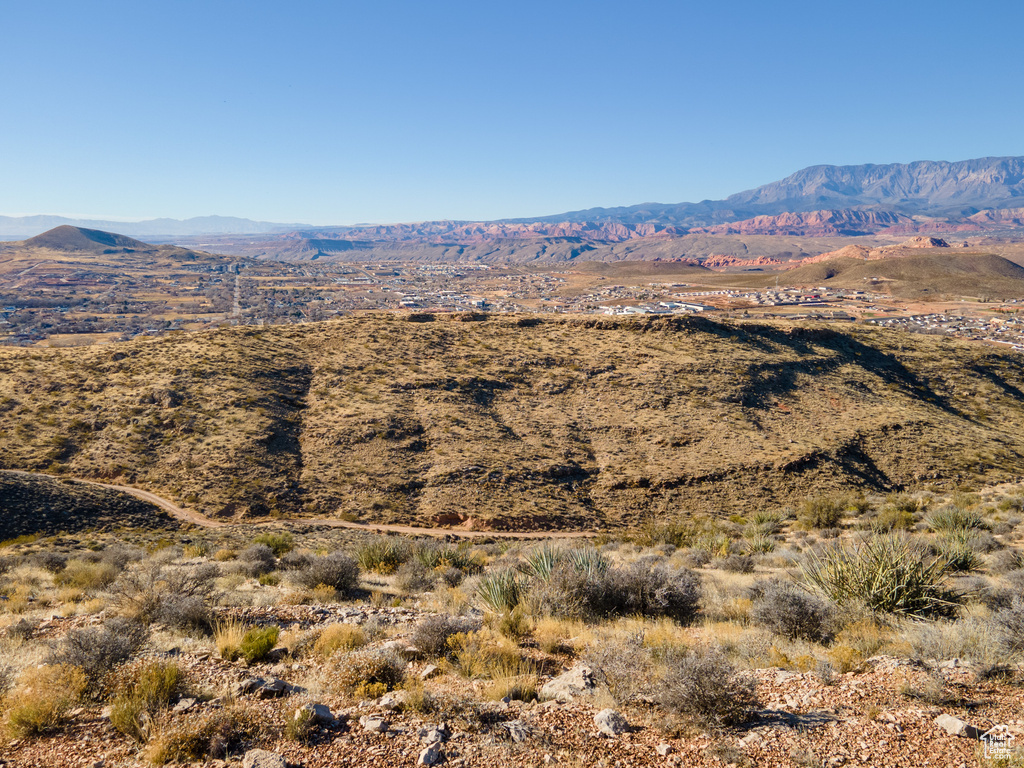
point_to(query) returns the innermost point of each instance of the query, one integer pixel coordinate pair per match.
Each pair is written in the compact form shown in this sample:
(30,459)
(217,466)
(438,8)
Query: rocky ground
(870,717)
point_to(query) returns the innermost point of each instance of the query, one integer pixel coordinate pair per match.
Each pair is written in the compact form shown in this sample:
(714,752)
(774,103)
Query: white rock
(262,758)
(610,722)
(430,755)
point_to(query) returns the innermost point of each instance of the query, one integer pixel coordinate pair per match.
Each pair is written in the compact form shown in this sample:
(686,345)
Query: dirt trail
(190,516)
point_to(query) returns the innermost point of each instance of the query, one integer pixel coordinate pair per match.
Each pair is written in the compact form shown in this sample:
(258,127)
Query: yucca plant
(442,556)
(955,518)
(888,574)
(383,555)
(500,591)
(958,550)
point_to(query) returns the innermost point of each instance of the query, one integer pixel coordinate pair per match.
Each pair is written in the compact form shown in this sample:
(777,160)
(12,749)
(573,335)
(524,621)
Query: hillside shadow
(772,380)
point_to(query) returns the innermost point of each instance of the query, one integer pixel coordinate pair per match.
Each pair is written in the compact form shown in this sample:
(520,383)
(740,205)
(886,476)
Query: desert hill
(516,422)
(913,273)
(68,238)
(34,504)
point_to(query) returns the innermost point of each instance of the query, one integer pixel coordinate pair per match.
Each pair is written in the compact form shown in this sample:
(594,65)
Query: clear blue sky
(344,112)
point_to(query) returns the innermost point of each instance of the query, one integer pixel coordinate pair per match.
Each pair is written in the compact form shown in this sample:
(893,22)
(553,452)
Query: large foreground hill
(516,422)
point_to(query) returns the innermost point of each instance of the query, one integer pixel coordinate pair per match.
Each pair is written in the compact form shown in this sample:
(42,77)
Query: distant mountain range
(20,227)
(983,195)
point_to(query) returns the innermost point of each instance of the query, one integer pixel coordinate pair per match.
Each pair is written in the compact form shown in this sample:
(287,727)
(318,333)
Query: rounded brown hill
(68,238)
(954,274)
(568,423)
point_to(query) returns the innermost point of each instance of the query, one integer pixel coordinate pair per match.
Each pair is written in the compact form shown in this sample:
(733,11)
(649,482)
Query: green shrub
(212,736)
(952,519)
(338,637)
(258,642)
(820,512)
(887,574)
(383,555)
(153,687)
(42,699)
(893,519)
(365,672)
(441,557)
(958,549)
(279,543)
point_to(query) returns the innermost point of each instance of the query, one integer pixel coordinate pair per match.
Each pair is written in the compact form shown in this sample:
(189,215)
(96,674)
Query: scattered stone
(262,758)
(578,681)
(663,750)
(429,671)
(751,739)
(954,726)
(184,705)
(430,755)
(373,724)
(393,701)
(517,730)
(319,714)
(611,723)
(265,688)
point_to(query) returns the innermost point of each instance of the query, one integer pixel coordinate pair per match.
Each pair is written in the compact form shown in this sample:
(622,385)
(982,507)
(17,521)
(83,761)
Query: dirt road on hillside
(190,516)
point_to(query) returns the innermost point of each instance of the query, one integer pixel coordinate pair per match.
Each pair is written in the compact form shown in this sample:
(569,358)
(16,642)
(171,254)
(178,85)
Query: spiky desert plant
(500,591)
(888,574)
(955,518)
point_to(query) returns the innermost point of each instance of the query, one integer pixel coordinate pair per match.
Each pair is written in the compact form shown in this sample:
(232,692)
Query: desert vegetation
(703,637)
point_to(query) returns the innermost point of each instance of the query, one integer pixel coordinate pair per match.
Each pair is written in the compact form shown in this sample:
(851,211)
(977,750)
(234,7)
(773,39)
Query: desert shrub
(279,543)
(500,591)
(383,555)
(212,736)
(888,574)
(337,570)
(338,637)
(1006,561)
(294,561)
(258,642)
(955,518)
(637,589)
(178,596)
(820,512)
(737,564)
(969,638)
(696,558)
(86,575)
(54,562)
(151,688)
(757,542)
(786,609)
(704,686)
(767,522)
(452,577)
(625,665)
(957,549)
(414,576)
(439,557)
(892,519)
(120,555)
(369,673)
(257,560)
(42,699)
(227,637)
(1010,623)
(482,654)
(224,554)
(433,632)
(97,650)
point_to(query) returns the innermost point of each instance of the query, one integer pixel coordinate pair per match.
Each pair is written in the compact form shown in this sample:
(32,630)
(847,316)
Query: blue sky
(345,112)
